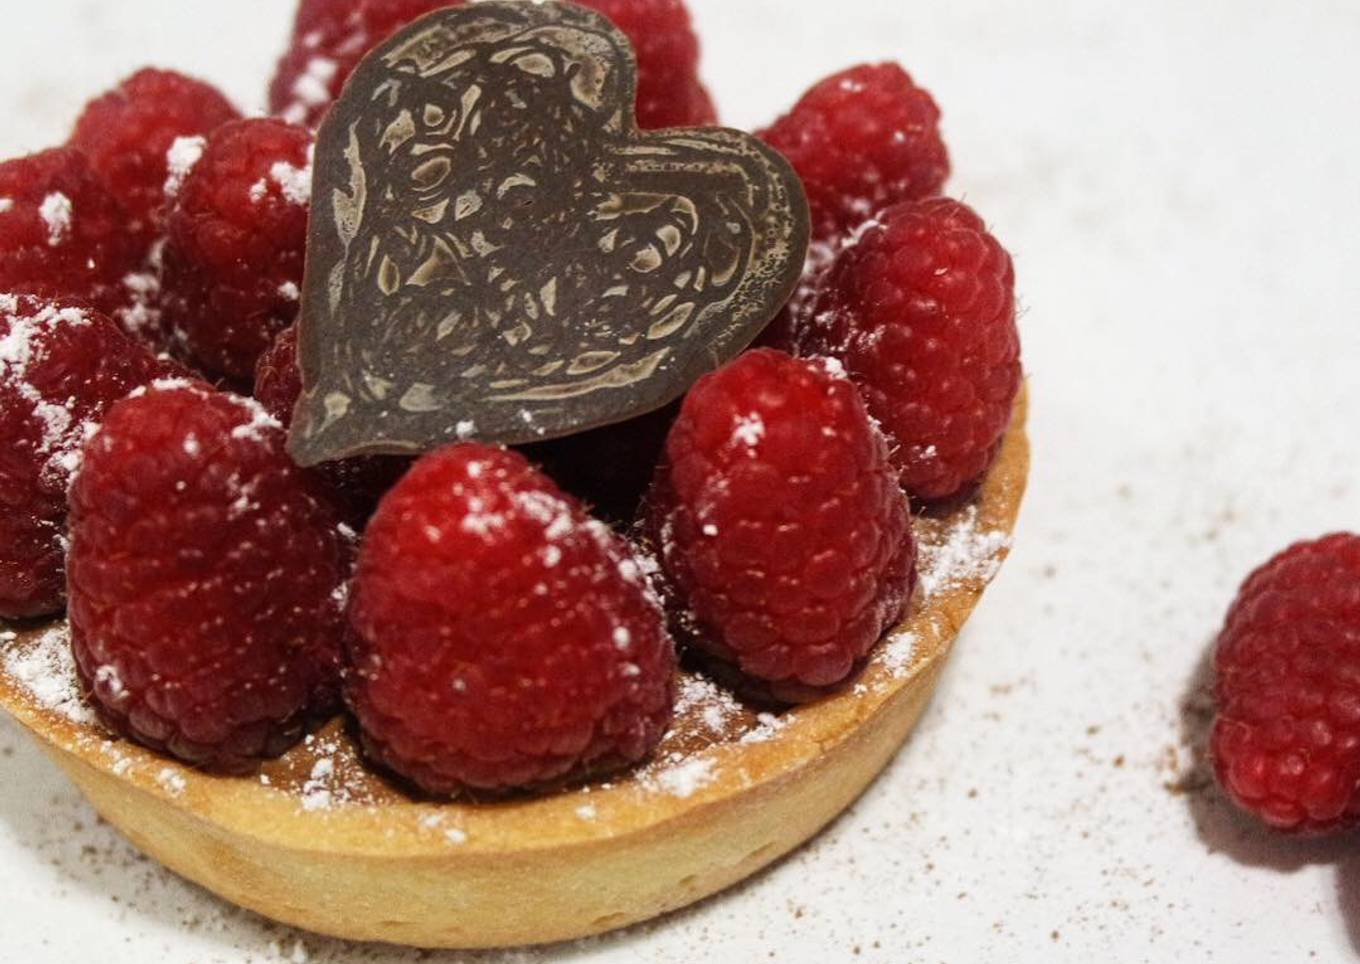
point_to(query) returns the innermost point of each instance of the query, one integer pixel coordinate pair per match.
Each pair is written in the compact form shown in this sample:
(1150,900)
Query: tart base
(376,865)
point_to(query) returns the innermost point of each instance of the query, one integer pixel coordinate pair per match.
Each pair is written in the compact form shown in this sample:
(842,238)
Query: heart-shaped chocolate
(497,252)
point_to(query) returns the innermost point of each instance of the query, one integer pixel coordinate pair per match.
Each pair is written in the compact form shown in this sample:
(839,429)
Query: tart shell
(577,863)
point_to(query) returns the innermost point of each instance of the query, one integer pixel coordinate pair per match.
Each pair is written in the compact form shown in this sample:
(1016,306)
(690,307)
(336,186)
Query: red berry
(862,140)
(278,380)
(314,14)
(1286,742)
(921,311)
(782,529)
(62,233)
(670,93)
(330,38)
(502,639)
(206,579)
(358,482)
(61,367)
(128,132)
(237,239)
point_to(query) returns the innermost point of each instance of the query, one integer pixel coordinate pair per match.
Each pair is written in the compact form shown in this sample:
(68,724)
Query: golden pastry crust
(318,842)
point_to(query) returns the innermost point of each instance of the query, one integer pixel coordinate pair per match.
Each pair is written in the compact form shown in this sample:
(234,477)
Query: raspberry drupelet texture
(315,14)
(62,233)
(862,140)
(330,37)
(206,579)
(921,311)
(1286,741)
(784,536)
(502,639)
(61,367)
(670,93)
(358,482)
(236,244)
(128,132)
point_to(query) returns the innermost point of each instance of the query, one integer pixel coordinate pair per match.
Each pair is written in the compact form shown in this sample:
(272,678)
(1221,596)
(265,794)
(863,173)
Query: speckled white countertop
(1179,183)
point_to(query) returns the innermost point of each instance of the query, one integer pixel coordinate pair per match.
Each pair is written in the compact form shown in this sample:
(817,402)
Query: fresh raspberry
(330,38)
(1286,742)
(62,233)
(237,239)
(316,14)
(862,140)
(784,535)
(206,579)
(502,639)
(128,132)
(608,468)
(61,367)
(670,93)
(358,482)
(921,311)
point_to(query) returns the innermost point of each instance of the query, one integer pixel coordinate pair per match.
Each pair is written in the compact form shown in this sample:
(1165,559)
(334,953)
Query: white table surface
(1179,182)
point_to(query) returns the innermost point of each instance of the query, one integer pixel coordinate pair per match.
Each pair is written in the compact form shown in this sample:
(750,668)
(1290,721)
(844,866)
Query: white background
(1179,182)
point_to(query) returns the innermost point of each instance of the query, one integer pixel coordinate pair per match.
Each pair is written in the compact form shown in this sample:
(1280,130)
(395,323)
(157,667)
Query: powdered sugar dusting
(163,385)
(142,314)
(701,698)
(172,781)
(683,778)
(318,793)
(180,160)
(294,182)
(749,430)
(769,727)
(968,555)
(47,671)
(21,347)
(56,212)
(311,89)
(260,424)
(897,653)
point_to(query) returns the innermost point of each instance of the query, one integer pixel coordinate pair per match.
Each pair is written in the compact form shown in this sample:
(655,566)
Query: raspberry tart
(362,653)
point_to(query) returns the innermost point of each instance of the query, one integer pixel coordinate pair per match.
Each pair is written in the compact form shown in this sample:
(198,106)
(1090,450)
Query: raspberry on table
(207,578)
(358,482)
(330,38)
(61,367)
(236,244)
(1286,740)
(128,132)
(502,639)
(62,233)
(921,311)
(784,536)
(670,93)
(862,140)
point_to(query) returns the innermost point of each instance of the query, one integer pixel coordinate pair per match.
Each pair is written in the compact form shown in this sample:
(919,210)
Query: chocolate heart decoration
(497,252)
